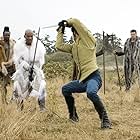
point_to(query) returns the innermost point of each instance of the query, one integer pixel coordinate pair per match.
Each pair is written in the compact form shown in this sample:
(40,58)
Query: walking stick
(32,67)
(104,59)
(116,61)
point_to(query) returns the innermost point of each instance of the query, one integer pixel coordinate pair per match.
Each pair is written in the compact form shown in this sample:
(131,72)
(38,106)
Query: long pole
(104,60)
(116,61)
(31,71)
(36,46)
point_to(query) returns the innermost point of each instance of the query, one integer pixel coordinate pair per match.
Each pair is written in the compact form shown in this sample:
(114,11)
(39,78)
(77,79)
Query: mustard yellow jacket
(83,49)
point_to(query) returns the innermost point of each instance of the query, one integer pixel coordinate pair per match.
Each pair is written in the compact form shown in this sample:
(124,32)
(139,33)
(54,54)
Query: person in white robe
(24,54)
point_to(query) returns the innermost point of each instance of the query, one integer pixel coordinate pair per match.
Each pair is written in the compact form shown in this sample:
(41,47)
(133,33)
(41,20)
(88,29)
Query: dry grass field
(30,124)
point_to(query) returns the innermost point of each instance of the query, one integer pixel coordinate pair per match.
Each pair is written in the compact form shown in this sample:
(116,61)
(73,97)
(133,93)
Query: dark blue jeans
(90,85)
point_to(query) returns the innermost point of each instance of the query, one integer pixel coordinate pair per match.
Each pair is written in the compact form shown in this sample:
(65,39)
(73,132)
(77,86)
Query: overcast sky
(112,16)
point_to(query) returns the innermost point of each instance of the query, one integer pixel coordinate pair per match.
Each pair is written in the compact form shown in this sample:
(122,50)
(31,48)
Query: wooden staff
(116,61)
(104,59)
(32,67)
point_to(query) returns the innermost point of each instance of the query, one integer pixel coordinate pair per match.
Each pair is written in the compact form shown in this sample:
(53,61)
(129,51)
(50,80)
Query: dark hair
(133,31)
(6,29)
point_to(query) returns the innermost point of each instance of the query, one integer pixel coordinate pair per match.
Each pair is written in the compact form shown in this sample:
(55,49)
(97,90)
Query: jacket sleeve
(83,32)
(99,53)
(125,45)
(119,53)
(60,45)
(123,51)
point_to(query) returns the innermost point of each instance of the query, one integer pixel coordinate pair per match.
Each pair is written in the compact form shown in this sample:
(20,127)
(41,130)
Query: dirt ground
(30,124)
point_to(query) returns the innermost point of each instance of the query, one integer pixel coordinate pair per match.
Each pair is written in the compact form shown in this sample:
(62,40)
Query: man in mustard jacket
(83,51)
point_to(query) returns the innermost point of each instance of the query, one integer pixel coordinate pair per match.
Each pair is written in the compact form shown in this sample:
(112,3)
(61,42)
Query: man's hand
(7,64)
(25,65)
(114,52)
(31,74)
(3,63)
(4,70)
(62,24)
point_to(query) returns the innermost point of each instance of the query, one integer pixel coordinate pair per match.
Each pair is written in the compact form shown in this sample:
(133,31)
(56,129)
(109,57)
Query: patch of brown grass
(30,124)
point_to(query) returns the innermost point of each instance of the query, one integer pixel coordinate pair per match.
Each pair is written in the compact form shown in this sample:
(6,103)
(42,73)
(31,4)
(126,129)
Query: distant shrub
(56,69)
(58,57)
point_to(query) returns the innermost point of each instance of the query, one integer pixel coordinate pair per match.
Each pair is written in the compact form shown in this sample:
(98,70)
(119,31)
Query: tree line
(108,42)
